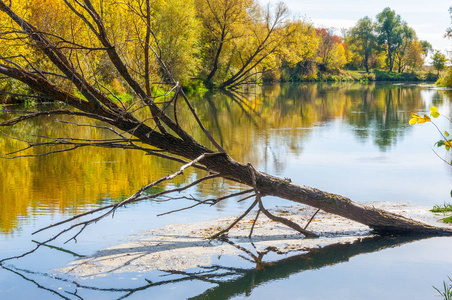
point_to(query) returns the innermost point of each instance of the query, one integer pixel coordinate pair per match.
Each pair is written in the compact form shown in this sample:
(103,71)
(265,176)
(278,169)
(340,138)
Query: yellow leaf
(446,133)
(448,144)
(434,112)
(413,121)
(414,118)
(424,119)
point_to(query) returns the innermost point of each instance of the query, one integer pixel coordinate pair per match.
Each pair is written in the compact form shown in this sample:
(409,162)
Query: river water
(350,139)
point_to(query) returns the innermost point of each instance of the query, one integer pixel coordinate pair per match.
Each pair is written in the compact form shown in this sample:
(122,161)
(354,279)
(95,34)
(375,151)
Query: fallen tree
(159,133)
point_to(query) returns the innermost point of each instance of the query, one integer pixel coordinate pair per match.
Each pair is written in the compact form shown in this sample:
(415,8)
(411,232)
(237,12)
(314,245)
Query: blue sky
(430,19)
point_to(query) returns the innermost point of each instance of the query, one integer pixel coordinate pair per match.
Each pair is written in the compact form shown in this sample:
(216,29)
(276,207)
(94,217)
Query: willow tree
(158,133)
(389,28)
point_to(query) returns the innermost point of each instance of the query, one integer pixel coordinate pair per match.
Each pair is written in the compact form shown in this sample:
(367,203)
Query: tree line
(220,43)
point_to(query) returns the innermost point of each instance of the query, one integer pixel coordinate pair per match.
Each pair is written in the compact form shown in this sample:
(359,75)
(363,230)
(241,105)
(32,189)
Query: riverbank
(197,88)
(179,247)
(363,76)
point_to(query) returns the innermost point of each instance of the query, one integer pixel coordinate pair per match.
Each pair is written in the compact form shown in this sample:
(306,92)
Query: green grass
(362,76)
(406,76)
(446,293)
(447,220)
(446,207)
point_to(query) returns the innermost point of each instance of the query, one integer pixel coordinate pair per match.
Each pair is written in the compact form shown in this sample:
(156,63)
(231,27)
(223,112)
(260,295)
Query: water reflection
(279,269)
(225,281)
(260,125)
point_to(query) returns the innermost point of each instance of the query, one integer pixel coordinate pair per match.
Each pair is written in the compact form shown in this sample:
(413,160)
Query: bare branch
(22,118)
(216,235)
(254,223)
(134,198)
(275,218)
(94,126)
(312,218)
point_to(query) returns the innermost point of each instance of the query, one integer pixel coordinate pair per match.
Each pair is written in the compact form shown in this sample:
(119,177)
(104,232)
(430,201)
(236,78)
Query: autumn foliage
(221,43)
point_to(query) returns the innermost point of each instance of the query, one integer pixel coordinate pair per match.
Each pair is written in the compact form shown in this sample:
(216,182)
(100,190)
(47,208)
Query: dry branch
(235,221)
(272,217)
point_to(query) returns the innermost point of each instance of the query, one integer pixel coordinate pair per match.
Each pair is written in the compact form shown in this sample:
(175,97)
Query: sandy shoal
(184,246)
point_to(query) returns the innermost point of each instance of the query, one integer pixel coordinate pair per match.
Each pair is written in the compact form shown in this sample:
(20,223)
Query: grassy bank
(363,76)
(445,208)
(346,75)
(7,96)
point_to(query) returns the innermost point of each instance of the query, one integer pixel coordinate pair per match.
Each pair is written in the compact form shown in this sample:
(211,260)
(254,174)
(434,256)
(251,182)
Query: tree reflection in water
(225,281)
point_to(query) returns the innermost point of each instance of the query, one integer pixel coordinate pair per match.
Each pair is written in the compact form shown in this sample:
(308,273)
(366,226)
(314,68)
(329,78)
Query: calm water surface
(349,139)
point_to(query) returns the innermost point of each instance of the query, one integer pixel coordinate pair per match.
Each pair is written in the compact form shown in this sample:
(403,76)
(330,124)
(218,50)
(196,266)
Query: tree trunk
(381,221)
(366,63)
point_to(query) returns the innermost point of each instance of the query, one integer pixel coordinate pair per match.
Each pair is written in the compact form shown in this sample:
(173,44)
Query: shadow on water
(314,259)
(227,281)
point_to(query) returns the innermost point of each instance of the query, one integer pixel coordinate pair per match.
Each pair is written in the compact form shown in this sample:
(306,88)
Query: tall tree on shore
(299,51)
(416,54)
(439,61)
(362,35)
(239,35)
(331,51)
(389,27)
(407,36)
(224,22)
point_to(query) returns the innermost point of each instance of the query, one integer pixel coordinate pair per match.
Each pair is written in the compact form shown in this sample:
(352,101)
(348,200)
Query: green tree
(178,31)
(407,36)
(363,37)
(389,26)
(439,61)
(427,47)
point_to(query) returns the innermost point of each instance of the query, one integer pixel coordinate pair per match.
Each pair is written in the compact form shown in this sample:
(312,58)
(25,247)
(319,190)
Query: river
(349,138)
